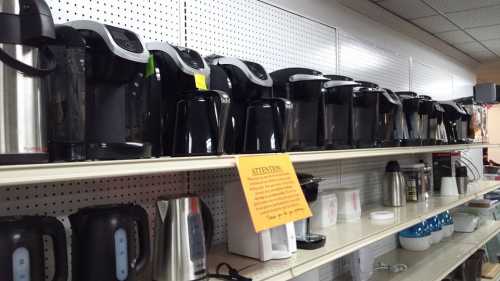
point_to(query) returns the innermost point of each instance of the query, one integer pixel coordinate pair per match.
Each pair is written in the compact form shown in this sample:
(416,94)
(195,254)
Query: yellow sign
(272,191)
(200,81)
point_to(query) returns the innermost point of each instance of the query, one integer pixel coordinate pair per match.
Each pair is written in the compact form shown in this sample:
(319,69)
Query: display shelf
(345,238)
(496,278)
(440,260)
(41,173)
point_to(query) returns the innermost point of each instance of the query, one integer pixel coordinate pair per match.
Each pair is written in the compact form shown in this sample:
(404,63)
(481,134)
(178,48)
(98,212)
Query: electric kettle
(26,29)
(22,249)
(105,244)
(184,230)
(200,123)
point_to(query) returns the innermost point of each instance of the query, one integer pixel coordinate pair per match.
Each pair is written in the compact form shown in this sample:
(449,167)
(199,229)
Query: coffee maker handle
(222,108)
(286,108)
(141,217)
(208,224)
(54,228)
(30,70)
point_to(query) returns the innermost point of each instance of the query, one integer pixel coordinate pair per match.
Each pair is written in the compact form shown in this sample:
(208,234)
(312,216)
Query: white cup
(449,186)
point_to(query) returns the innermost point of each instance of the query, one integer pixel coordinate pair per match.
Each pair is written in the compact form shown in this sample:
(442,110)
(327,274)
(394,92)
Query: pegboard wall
(256,31)
(363,60)
(432,81)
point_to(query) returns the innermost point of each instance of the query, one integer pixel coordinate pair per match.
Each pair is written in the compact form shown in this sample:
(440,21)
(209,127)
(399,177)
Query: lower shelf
(440,260)
(344,238)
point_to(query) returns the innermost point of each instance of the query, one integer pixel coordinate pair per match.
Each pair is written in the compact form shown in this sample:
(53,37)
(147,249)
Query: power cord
(232,276)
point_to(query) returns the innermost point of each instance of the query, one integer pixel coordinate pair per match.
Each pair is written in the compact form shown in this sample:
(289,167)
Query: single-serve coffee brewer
(258,122)
(365,115)
(116,107)
(194,117)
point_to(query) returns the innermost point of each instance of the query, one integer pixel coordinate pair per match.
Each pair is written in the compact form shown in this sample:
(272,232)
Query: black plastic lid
(392,166)
(461,171)
(407,93)
(283,75)
(338,77)
(69,37)
(367,84)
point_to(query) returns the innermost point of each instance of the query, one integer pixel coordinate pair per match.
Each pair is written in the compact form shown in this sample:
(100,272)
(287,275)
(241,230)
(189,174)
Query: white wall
(333,13)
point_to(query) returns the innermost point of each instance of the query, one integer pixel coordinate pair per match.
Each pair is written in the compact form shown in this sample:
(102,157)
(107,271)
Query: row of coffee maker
(112,96)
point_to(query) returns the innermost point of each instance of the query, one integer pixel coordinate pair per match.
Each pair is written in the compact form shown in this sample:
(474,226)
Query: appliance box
(443,165)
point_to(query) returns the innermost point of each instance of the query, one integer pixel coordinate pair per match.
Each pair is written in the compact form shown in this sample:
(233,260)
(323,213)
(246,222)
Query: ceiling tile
(408,9)
(435,24)
(455,37)
(493,45)
(471,47)
(485,33)
(447,6)
(477,18)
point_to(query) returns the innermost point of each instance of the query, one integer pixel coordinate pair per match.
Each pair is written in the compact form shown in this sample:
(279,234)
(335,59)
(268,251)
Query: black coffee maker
(110,243)
(411,108)
(66,97)
(258,123)
(453,116)
(304,88)
(22,254)
(365,114)
(390,132)
(338,111)
(116,107)
(427,113)
(194,117)
(437,130)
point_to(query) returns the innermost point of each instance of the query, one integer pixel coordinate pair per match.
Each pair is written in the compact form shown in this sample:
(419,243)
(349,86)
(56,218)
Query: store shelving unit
(42,173)
(440,260)
(496,278)
(345,238)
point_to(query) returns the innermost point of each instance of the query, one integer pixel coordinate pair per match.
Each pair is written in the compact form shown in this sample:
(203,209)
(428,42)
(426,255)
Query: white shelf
(496,278)
(440,260)
(345,238)
(39,173)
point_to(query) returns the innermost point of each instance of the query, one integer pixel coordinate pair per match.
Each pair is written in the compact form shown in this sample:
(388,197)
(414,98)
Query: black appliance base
(311,242)
(118,151)
(412,143)
(24,158)
(202,154)
(67,152)
(337,146)
(393,143)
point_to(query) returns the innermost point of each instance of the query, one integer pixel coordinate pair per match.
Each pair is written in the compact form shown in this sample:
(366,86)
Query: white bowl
(415,244)
(448,230)
(437,236)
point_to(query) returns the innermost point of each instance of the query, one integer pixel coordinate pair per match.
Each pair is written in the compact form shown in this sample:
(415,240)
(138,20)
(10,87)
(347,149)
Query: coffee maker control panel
(256,70)
(190,57)
(126,39)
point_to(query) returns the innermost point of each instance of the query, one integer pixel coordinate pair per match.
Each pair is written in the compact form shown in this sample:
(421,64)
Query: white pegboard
(432,81)
(154,20)
(256,31)
(362,60)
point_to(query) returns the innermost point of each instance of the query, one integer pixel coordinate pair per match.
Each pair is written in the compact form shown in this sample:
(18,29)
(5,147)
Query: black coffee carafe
(338,112)
(105,246)
(365,114)
(426,112)
(116,106)
(66,97)
(453,116)
(194,118)
(258,123)
(390,133)
(22,248)
(200,123)
(304,88)
(411,108)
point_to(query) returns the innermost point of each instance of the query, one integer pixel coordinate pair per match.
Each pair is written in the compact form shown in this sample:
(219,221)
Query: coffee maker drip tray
(118,151)
(311,241)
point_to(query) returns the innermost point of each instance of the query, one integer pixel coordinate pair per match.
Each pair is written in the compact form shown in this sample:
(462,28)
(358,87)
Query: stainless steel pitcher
(180,249)
(394,187)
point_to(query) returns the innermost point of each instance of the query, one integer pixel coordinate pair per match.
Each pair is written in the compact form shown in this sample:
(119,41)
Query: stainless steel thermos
(394,187)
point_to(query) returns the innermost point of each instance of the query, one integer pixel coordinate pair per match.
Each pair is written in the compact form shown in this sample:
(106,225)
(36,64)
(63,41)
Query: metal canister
(417,183)
(394,191)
